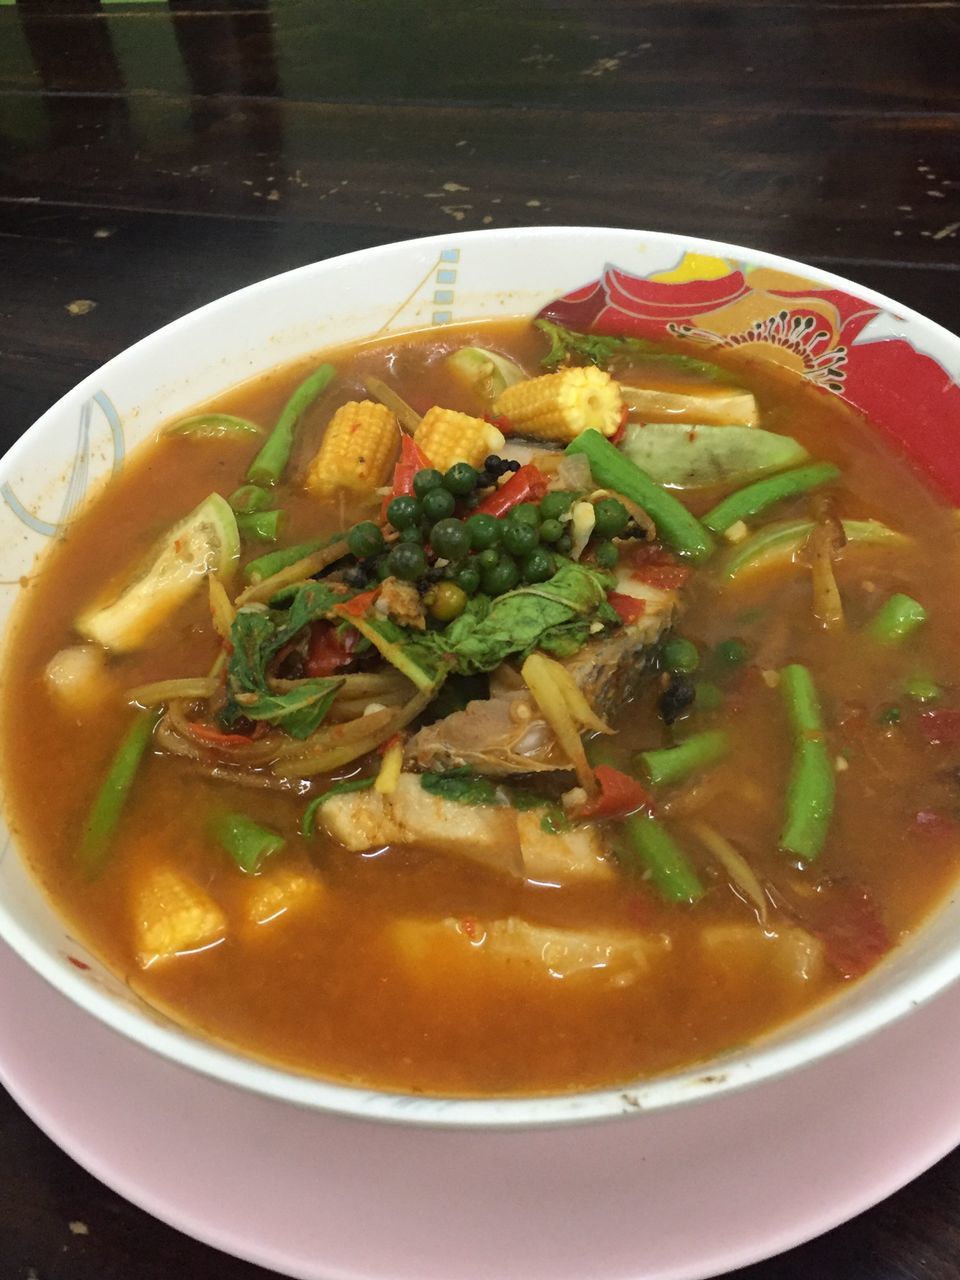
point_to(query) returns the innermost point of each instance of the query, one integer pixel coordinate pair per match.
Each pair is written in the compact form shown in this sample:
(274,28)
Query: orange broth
(328,992)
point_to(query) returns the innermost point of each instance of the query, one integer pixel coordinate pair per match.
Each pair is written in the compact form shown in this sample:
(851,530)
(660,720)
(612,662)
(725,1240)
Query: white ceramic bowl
(902,369)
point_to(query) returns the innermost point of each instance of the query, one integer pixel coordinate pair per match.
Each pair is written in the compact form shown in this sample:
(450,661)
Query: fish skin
(505,734)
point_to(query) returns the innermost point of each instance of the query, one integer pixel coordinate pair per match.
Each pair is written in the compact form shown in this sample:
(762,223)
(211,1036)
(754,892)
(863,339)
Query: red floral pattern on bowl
(824,334)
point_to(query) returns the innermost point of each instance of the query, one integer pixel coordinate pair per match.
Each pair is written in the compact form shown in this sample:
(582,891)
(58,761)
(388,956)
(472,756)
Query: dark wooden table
(155,155)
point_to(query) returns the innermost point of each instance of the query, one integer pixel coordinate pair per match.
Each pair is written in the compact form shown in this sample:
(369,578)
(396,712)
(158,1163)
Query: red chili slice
(529,484)
(412,459)
(359,605)
(216,737)
(628,608)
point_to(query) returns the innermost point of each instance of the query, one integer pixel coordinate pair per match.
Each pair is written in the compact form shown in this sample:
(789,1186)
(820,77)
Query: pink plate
(326,1198)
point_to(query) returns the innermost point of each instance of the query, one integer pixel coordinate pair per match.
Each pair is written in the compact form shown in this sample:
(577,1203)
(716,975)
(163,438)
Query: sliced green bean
(214,426)
(812,786)
(246,841)
(896,620)
(104,816)
(250,497)
(654,847)
(264,525)
(272,562)
(922,689)
(675,525)
(766,493)
(673,764)
(271,462)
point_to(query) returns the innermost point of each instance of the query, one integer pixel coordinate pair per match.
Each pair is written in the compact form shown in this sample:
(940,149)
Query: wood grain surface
(154,156)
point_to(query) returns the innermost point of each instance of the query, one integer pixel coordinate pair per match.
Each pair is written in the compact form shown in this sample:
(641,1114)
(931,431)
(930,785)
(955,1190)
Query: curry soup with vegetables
(498,710)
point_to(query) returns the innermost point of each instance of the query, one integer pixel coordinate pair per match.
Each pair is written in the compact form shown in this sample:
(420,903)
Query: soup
(399,749)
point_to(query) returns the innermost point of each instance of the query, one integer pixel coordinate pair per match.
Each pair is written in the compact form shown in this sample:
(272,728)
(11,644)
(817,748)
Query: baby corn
(280,892)
(446,437)
(173,915)
(357,451)
(559,406)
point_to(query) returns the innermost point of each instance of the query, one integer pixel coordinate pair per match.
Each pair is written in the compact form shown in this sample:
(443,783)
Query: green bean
(246,841)
(762,494)
(105,812)
(610,468)
(673,764)
(250,497)
(895,620)
(264,525)
(778,542)
(654,847)
(271,462)
(812,786)
(922,689)
(214,426)
(272,562)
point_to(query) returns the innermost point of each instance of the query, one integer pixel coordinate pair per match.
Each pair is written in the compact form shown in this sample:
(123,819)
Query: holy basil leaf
(258,634)
(487,633)
(313,600)
(411,653)
(309,819)
(299,711)
(602,349)
(460,785)
(523,801)
(566,639)
(554,822)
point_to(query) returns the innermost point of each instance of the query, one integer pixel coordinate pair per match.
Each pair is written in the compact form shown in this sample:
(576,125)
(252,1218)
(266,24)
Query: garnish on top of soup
(526,710)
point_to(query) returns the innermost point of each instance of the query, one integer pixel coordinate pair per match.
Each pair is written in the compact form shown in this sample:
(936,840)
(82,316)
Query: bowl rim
(709,1079)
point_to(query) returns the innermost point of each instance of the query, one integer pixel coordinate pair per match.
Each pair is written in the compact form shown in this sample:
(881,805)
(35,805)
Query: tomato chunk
(330,648)
(628,608)
(619,795)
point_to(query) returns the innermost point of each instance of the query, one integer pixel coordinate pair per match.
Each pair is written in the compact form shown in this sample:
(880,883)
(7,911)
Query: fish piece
(411,816)
(561,858)
(506,734)
(519,949)
(499,735)
(496,836)
(732,950)
(715,405)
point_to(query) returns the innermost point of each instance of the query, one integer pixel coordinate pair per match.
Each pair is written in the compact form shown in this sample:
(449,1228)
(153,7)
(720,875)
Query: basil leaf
(299,711)
(601,349)
(460,785)
(309,820)
(488,632)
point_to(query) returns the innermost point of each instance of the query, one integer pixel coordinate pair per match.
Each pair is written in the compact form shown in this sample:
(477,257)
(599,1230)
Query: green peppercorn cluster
(451,551)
